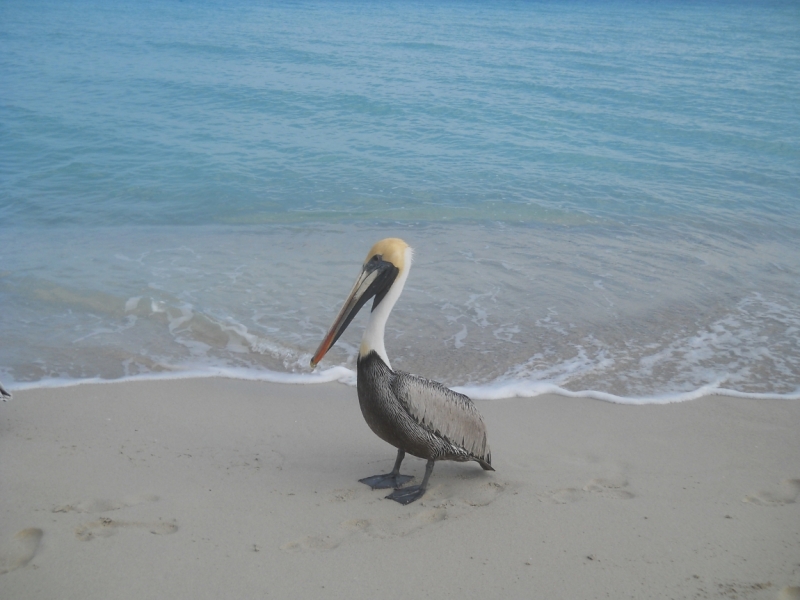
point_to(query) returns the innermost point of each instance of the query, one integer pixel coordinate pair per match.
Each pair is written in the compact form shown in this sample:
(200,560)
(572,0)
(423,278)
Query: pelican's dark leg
(413,492)
(389,480)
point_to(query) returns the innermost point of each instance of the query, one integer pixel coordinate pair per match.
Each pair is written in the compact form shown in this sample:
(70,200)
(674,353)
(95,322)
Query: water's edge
(343,375)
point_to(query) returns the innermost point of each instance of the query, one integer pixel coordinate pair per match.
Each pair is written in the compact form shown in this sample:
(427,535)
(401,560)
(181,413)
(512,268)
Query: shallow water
(601,198)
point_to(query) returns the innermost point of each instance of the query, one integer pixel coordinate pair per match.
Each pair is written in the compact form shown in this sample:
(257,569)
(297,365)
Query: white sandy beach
(215,488)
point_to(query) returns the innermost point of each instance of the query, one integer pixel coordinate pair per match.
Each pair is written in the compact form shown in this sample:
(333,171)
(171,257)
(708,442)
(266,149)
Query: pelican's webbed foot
(413,492)
(407,495)
(388,480)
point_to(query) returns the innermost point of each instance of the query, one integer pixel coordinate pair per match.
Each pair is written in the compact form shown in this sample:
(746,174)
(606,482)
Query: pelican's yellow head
(387,261)
(391,250)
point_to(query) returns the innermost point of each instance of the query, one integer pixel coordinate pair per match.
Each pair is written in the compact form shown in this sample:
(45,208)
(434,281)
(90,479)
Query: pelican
(415,415)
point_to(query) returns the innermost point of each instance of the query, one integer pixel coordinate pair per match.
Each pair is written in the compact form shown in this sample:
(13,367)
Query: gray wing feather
(442,411)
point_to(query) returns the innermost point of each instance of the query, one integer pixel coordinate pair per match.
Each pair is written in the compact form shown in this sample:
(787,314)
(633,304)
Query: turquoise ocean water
(603,197)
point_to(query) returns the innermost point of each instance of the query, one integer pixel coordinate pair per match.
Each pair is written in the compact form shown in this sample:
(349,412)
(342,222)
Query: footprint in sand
(343,495)
(20,549)
(612,487)
(605,487)
(350,530)
(484,494)
(312,542)
(787,493)
(101,506)
(431,510)
(565,495)
(107,527)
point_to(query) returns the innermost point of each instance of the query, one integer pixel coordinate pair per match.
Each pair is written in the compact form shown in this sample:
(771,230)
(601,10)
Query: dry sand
(214,488)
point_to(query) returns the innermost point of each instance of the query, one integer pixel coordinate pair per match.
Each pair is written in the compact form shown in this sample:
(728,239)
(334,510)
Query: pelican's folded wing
(444,412)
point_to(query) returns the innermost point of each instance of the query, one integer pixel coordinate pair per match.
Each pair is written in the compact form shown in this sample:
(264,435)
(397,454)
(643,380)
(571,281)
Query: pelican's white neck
(376,326)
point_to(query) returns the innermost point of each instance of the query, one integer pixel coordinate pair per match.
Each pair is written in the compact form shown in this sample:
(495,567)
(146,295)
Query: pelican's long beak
(375,280)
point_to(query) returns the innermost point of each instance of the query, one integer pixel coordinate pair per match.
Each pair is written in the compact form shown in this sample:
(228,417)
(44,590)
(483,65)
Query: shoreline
(497,390)
(203,487)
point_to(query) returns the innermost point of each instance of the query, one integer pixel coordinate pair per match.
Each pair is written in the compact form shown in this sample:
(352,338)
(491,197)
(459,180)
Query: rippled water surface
(601,196)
